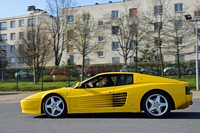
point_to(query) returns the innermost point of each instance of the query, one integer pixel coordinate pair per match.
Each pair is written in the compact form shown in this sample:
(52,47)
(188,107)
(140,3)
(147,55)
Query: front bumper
(31,106)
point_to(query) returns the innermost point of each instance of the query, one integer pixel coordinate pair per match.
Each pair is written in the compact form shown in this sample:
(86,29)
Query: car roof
(115,73)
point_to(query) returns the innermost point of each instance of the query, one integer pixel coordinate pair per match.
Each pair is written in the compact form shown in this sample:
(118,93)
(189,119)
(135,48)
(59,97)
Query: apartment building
(109,53)
(12,29)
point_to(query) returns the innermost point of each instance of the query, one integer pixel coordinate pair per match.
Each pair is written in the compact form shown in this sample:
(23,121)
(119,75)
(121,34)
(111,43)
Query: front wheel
(54,106)
(157,104)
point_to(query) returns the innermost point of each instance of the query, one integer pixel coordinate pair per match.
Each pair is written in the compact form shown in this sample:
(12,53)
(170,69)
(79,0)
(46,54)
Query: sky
(10,8)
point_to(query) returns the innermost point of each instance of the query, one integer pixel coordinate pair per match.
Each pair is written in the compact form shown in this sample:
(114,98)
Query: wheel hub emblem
(54,106)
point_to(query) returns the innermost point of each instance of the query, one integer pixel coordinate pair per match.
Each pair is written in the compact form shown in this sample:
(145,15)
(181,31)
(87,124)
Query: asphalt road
(181,121)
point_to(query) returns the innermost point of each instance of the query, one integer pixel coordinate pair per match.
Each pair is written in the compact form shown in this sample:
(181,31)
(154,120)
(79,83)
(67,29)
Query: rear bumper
(188,101)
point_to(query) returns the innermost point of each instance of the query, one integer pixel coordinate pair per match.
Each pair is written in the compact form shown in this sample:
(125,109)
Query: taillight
(187,90)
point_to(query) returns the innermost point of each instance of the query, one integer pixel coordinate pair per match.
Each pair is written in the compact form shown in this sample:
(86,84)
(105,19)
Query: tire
(189,72)
(167,73)
(157,104)
(54,106)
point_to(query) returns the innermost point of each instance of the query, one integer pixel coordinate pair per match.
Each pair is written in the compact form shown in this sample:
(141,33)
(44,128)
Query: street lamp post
(189,17)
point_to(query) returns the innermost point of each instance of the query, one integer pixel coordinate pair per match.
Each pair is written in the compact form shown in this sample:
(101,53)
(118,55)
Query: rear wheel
(157,104)
(167,73)
(54,106)
(189,73)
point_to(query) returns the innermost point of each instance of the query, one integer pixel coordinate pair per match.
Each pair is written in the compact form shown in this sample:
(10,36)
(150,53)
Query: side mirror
(78,84)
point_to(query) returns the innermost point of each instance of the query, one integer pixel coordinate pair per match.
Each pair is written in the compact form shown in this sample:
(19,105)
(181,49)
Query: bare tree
(83,34)
(128,29)
(157,18)
(59,10)
(180,37)
(33,46)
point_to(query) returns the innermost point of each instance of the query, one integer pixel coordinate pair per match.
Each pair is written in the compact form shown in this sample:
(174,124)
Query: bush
(61,78)
(47,79)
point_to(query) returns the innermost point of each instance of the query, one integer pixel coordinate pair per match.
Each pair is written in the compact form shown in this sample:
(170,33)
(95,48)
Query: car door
(91,100)
(123,94)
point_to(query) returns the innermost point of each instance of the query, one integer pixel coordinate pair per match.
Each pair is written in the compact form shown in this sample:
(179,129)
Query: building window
(115,46)
(3,37)
(87,47)
(100,54)
(70,19)
(115,60)
(70,48)
(86,32)
(157,26)
(12,48)
(195,48)
(31,22)
(12,60)
(133,12)
(196,13)
(114,14)
(12,36)
(4,47)
(21,23)
(178,24)
(21,35)
(157,57)
(21,60)
(12,24)
(100,38)
(133,45)
(178,7)
(158,9)
(181,57)
(132,59)
(3,25)
(115,29)
(100,23)
(157,42)
(87,61)
(86,17)
(30,35)
(70,34)
(178,41)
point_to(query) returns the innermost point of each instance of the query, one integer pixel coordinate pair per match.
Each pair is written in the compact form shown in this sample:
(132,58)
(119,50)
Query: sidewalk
(10,97)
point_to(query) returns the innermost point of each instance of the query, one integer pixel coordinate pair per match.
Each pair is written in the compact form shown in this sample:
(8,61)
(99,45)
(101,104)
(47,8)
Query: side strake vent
(119,99)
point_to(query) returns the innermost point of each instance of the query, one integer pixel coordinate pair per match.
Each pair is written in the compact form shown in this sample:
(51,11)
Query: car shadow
(173,115)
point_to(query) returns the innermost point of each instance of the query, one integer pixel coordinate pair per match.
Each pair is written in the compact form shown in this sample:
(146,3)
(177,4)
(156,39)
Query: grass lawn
(29,86)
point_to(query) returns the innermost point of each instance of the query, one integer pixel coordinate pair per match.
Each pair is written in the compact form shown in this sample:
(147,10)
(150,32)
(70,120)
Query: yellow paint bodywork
(99,100)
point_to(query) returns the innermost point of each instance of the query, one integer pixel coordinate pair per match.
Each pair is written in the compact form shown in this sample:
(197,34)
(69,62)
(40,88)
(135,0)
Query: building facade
(109,54)
(12,29)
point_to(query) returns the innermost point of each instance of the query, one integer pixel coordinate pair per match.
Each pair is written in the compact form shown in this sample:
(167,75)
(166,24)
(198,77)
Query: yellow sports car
(112,92)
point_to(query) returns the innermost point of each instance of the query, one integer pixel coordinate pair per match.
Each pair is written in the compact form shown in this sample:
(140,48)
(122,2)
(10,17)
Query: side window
(101,81)
(125,79)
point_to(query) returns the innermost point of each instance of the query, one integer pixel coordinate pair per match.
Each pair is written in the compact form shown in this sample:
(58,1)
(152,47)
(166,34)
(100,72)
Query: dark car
(190,70)
(173,70)
(5,75)
(131,68)
(24,74)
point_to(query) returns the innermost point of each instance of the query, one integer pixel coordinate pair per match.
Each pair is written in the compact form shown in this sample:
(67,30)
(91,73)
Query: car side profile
(130,92)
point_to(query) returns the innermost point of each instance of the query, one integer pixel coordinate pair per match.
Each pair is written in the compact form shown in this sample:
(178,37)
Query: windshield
(75,84)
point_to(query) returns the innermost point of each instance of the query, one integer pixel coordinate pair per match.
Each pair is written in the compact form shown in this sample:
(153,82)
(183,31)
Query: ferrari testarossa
(130,92)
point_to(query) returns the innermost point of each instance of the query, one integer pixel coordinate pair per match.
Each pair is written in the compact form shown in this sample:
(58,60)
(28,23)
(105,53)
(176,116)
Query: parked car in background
(5,75)
(58,72)
(131,68)
(190,70)
(173,70)
(93,70)
(24,74)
